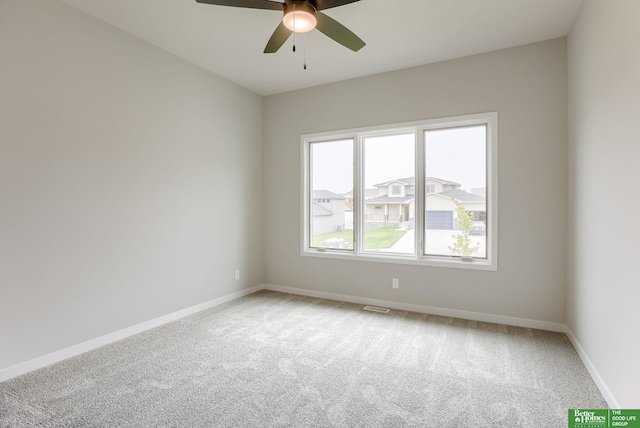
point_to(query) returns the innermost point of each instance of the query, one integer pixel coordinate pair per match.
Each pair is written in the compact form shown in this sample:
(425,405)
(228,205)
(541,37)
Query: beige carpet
(279,360)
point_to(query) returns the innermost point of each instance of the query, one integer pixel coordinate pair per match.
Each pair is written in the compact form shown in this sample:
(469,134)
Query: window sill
(453,263)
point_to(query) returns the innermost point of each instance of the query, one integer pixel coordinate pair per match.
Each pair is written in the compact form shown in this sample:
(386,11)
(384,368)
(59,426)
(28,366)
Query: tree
(462,242)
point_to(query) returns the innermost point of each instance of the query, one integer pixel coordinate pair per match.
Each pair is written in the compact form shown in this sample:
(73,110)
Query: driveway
(437,242)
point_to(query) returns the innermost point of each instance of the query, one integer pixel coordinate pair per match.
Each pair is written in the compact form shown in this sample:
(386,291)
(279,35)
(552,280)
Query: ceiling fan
(300,16)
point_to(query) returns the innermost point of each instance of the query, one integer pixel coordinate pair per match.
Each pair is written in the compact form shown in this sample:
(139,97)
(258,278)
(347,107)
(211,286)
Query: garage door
(441,220)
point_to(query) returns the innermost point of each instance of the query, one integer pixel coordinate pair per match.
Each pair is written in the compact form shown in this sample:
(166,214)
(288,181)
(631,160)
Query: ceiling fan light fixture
(299,17)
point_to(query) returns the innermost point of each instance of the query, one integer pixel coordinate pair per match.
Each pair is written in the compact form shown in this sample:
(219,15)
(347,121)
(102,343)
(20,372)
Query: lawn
(379,238)
(375,238)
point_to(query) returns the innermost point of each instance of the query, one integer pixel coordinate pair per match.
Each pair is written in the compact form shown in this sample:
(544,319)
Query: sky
(456,154)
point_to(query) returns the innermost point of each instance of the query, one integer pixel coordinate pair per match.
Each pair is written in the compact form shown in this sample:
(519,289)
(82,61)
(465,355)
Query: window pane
(331,210)
(389,177)
(455,192)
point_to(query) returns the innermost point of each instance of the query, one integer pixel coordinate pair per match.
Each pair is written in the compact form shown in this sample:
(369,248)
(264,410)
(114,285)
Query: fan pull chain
(294,26)
(304,47)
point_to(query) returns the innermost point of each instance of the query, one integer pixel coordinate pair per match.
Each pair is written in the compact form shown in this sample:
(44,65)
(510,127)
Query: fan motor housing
(299,6)
(311,3)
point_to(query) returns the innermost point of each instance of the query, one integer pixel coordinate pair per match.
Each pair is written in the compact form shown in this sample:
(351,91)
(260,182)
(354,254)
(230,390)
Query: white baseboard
(89,345)
(455,313)
(602,386)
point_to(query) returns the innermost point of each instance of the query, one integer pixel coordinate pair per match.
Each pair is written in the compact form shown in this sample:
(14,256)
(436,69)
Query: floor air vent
(376,309)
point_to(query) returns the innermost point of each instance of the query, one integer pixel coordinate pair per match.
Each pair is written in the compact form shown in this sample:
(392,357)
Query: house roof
(463,196)
(407,180)
(440,180)
(412,180)
(326,194)
(386,199)
(319,210)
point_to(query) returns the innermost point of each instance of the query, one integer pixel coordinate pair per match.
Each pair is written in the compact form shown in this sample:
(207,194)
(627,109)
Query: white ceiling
(399,33)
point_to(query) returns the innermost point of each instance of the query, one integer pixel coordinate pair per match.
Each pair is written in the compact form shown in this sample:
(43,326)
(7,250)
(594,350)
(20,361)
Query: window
(448,215)
(331,166)
(457,157)
(479,216)
(383,156)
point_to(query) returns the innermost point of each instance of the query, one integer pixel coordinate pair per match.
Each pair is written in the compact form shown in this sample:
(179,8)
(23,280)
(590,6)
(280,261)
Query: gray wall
(603,309)
(130,181)
(527,87)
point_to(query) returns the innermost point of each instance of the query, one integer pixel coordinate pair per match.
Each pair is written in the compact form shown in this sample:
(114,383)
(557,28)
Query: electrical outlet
(395,283)
(237,275)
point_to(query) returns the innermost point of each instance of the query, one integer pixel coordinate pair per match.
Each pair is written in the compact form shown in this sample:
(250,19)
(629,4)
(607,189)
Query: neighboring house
(348,205)
(441,208)
(328,212)
(395,203)
(348,201)
(368,194)
(436,185)
(348,210)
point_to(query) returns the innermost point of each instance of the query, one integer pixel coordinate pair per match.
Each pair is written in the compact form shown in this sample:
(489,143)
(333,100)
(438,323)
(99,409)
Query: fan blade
(338,32)
(277,39)
(328,4)
(251,4)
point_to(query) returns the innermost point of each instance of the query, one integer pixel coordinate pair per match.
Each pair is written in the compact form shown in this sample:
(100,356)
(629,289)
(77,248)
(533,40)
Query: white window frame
(490,263)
